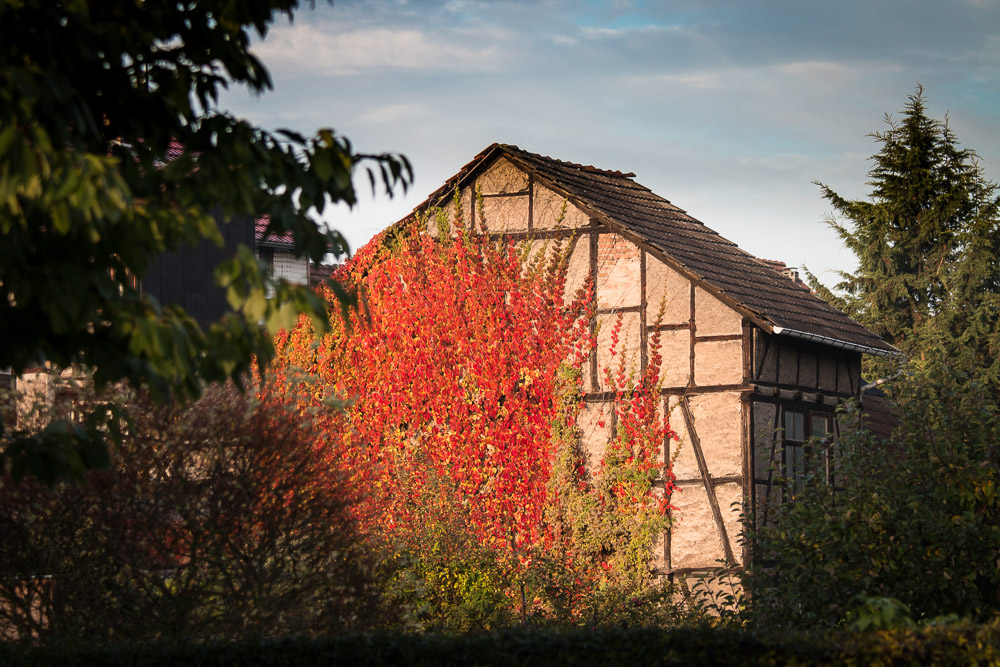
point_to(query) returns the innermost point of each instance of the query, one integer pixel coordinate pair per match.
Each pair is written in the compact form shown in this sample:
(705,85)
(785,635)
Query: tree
(915,518)
(927,245)
(112,151)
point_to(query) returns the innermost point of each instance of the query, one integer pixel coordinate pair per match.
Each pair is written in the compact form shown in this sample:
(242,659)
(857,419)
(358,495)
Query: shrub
(916,521)
(219,519)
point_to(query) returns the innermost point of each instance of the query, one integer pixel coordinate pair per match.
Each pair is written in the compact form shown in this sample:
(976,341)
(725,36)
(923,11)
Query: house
(754,363)
(278,250)
(184,277)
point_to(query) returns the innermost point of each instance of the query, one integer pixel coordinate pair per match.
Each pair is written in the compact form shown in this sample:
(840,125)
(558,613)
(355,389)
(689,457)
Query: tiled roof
(283,240)
(737,277)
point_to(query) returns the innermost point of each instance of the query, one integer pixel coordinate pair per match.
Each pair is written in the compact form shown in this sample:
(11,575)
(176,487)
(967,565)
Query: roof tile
(737,276)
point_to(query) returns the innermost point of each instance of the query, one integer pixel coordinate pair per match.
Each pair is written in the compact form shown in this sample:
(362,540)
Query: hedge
(957,644)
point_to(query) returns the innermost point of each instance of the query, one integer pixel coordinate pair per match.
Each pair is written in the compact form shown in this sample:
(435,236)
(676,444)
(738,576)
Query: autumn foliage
(460,373)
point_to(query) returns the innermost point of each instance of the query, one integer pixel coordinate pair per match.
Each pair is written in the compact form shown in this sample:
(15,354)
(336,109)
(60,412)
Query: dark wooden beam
(716,481)
(795,387)
(531,202)
(704,389)
(594,224)
(540,234)
(670,327)
(718,337)
(643,340)
(519,193)
(620,309)
(694,333)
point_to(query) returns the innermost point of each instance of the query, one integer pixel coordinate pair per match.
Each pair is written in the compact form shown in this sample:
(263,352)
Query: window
(806,445)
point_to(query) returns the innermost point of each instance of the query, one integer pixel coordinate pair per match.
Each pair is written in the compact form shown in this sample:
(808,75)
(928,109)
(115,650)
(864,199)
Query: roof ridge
(589,168)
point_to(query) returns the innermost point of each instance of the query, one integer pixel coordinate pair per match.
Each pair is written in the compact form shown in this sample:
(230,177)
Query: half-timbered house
(754,364)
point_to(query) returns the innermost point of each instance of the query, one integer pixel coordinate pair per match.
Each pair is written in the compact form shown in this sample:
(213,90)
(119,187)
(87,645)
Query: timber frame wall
(726,382)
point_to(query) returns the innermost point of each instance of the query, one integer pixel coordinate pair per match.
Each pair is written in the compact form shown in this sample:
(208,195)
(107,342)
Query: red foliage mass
(451,364)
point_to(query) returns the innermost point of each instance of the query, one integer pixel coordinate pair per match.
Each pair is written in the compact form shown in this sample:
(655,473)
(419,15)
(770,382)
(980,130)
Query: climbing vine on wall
(460,370)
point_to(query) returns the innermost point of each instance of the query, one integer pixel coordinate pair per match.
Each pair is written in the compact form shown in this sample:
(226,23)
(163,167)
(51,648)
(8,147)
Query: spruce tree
(926,239)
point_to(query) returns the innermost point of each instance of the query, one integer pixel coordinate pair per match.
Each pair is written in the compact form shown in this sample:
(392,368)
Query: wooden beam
(643,340)
(795,387)
(792,404)
(540,234)
(718,337)
(594,383)
(704,389)
(472,205)
(519,193)
(694,333)
(716,481)
(531,202)
(746,432)
(671,327)
(763,357)
(713,501)
(666,465)
(620,309)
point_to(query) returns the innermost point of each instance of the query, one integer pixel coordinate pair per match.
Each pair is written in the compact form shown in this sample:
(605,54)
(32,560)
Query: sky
(731,110)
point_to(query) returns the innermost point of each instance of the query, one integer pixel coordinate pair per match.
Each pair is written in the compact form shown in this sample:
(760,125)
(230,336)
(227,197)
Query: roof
(273,240)
(751,286)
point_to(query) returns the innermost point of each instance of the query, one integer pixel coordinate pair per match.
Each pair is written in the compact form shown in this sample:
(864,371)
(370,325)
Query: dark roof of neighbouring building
(770,299)
(262,238)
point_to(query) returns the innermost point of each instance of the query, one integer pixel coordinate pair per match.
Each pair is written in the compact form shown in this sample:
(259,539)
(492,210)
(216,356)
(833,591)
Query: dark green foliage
(913,526)
(954,645)
(219,520)
(914,519)
(928,246)
(112,151)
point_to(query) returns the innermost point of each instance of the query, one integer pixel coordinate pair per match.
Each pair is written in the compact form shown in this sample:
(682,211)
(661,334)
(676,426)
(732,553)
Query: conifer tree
(927,244)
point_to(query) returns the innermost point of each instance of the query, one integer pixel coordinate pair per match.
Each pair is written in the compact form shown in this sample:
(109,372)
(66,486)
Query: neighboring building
(278,250)
(748,351)
(184,277)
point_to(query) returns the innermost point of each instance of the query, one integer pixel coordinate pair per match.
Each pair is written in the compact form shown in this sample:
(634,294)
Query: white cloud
(771,79)
(616,33)
(308,49)
(392,113)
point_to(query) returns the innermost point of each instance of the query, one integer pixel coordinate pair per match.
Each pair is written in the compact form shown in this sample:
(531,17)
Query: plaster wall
(502,178)
(718,421)
(619,278)
(504,214)
(669,289)
(718,362)
(548,207)
(695,541)
(675,348)
(714,318)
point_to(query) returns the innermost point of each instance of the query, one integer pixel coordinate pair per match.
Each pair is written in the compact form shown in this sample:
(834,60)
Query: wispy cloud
(815,73)
(310,49)
(630,31)
(393,113)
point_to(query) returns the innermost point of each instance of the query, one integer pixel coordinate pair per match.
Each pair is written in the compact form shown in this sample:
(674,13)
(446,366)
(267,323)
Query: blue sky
(729,109)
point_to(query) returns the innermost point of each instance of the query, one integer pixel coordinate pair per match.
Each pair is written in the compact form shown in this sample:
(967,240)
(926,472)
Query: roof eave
(279,245)
(836,342)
